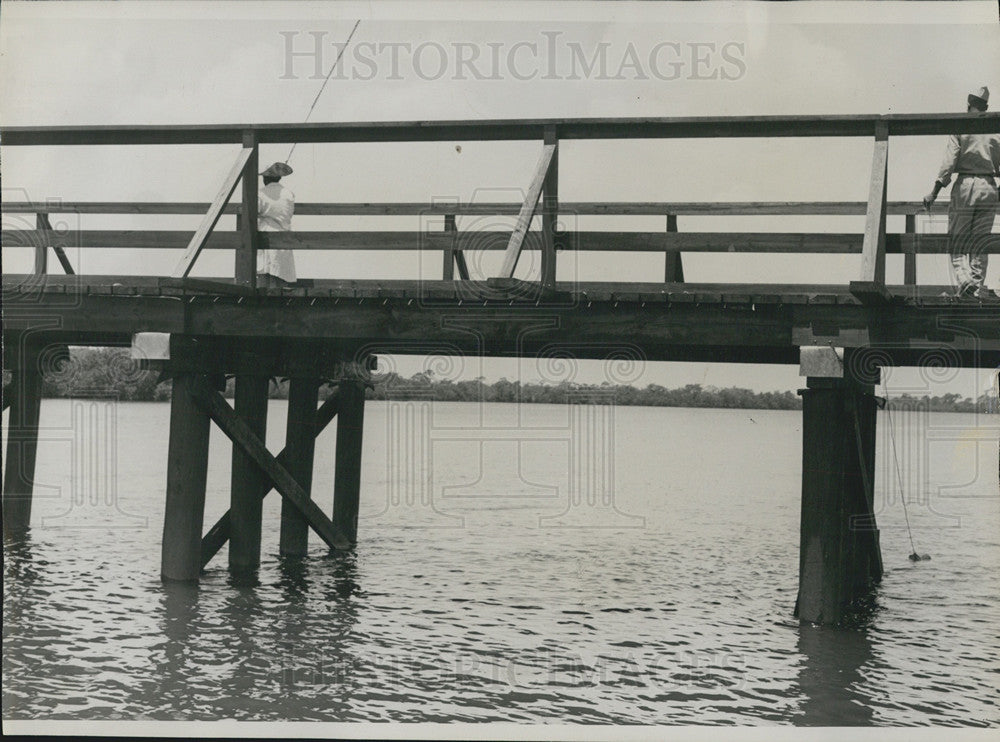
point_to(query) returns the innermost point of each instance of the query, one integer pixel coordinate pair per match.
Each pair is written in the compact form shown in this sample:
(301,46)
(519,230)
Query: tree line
(110,372)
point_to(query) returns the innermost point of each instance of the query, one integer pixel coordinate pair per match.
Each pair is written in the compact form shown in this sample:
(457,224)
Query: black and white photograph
(530,370)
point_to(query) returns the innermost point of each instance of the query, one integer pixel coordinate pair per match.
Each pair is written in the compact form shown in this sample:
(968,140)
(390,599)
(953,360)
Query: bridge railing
(541,200)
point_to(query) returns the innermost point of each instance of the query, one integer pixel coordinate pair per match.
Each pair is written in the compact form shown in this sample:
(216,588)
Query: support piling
(247,479)
(347,475)
(300,446)
(839,557)
(22,445)
(187,472)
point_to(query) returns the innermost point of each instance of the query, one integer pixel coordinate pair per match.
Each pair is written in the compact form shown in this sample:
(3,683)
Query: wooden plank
(219,533)
(215,405)
(508,129)
(873,246)
(770,242)
(419,208)
(673,269)
(206,286)
(550,211)
(527,212)
(245,503)
(245,269)
(197,242)
(187,472)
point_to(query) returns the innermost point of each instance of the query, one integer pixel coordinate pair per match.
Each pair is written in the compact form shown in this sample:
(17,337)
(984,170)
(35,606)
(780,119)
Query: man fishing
(975,158)
(275,207)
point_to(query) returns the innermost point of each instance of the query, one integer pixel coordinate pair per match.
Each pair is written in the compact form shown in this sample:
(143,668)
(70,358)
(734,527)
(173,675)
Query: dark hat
(980,97)
(278,170)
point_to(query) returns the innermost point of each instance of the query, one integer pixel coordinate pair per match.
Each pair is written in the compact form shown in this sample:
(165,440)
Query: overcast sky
(178,62)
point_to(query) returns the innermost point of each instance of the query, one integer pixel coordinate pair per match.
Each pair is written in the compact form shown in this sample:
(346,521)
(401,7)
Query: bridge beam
(839,556)
(25,401)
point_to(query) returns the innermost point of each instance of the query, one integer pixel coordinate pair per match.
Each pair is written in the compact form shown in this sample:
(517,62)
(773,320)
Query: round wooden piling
(247,479)
(22,446)
(347,476)
(187,471)
(300,446)
(839,557)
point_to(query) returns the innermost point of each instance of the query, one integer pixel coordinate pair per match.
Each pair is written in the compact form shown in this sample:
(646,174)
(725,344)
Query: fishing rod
(325,81)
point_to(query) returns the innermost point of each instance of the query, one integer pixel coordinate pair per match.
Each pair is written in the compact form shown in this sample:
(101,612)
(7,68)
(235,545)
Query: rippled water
(484,589)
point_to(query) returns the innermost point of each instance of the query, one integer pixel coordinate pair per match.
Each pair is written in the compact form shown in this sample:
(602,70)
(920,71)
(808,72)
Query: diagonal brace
(215,406)
(527,212)
(218,534)
(200,237)
(871,287)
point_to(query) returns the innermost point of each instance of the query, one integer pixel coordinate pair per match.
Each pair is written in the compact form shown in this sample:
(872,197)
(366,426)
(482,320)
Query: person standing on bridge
(975,158)
(275,207)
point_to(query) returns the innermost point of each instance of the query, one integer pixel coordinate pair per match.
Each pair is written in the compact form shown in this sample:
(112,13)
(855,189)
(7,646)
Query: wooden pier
(329,331)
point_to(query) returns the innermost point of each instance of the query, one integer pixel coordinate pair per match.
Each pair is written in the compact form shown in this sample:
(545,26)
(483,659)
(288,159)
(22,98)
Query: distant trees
(110,372)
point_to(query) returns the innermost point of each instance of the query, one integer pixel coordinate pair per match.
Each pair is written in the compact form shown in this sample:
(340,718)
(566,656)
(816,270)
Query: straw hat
(979,97)
(278,170)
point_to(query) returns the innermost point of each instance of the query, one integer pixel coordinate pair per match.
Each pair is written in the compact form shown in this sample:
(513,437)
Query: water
(484,589)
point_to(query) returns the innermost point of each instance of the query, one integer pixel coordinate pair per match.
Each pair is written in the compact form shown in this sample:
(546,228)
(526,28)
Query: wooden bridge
(333,329)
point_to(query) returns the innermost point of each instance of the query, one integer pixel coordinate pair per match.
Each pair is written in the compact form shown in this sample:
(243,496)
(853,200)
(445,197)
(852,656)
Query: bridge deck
(753,323)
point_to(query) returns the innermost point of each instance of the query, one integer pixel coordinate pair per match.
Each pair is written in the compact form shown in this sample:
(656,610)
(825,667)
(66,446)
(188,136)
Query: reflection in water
(172,657)
(831,677)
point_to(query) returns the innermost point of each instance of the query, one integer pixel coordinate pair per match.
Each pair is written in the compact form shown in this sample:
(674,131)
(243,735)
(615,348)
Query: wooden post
(245,503)
(300,446)
(839,557)
(448,273)
(187,470)
(347,475)
(673,269)
(910,256)
(42,248)
(24,395)
(246,253)
(550,211)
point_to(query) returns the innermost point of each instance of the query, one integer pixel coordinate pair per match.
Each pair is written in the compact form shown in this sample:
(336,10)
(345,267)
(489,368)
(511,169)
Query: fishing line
(323,86)
(914,557)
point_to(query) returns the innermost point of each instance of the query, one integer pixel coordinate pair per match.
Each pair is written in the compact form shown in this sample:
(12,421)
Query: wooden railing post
(246,254)
(448,272)
(673,269)
(42,246)
(550,211)
(910,253)
(871,287)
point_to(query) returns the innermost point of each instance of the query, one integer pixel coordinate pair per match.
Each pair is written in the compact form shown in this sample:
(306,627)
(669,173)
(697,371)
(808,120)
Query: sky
(231,63)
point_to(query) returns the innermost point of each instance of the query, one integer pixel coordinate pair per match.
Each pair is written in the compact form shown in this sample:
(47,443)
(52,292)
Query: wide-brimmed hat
(979,97)
(278,170)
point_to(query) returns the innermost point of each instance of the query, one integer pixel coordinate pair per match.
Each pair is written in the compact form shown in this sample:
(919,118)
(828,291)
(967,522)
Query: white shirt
(275,207)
